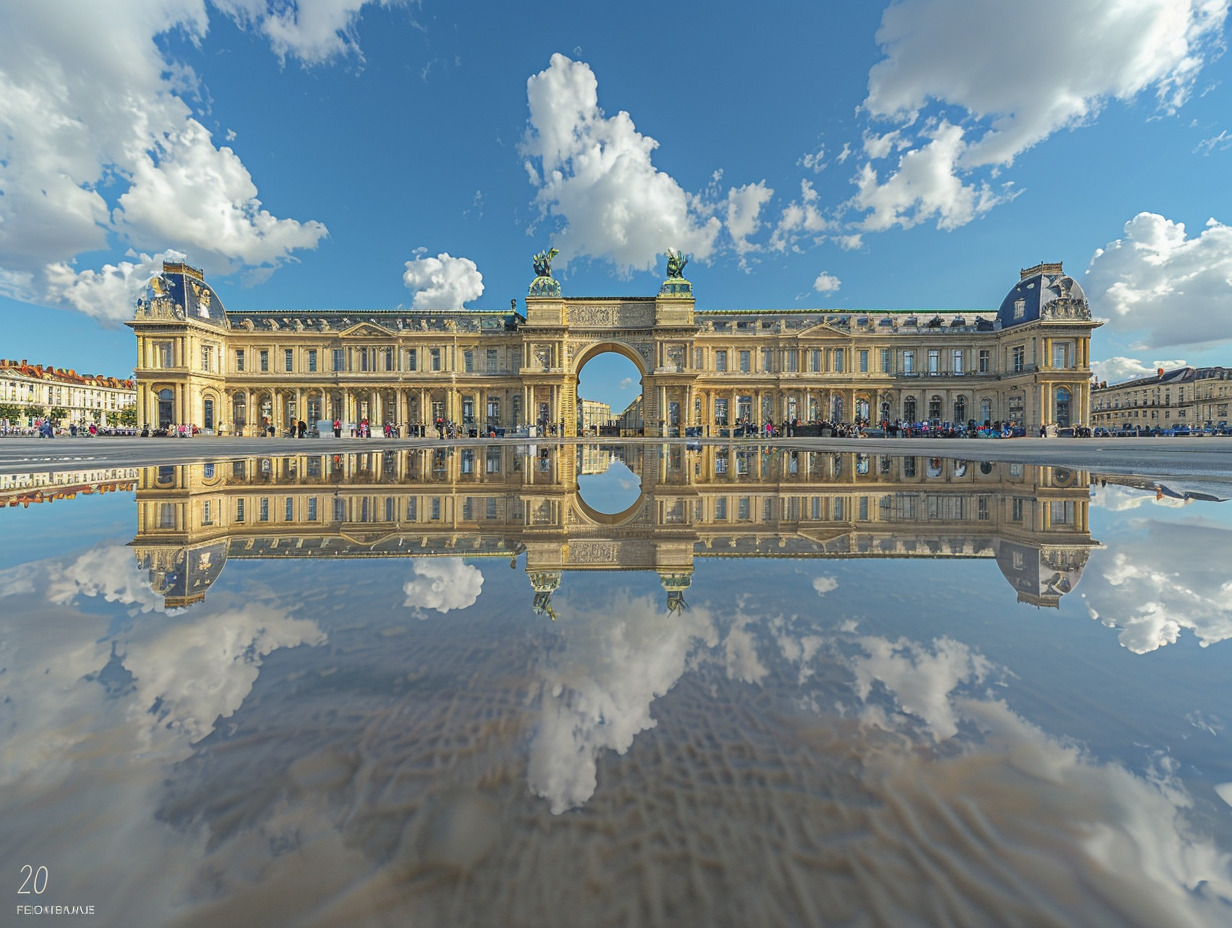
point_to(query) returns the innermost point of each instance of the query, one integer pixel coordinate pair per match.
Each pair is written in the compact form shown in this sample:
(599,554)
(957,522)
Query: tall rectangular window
(720,359)
(720,411)
(909,362)
(864,361)
(263,513)
(885,360)
(207,357)
(239,510)
(493,361)
(263,359)
(165,354)
(985,364)
(412,359)
(956,361)
(934,361)
(815,360)
(767,359)
(288,508)
(436,359)
(1060,354)
(746,362)
(838,360)
(1020,358)
(312,360)
(468,361)
(793,361)
(312,509)
(207,512)
(288,356)
(339,359)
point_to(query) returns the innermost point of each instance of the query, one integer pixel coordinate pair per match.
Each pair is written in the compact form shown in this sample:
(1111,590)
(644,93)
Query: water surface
(550,686)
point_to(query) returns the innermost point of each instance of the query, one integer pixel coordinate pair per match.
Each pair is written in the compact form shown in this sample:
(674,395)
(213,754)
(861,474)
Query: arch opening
(609,391)
(608,490)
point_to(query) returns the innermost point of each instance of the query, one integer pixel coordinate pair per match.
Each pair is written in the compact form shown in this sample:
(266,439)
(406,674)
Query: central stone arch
(583,353)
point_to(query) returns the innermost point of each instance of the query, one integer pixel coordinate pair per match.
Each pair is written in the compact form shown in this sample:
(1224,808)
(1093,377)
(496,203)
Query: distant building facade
(1193,396)
(85,398)
(1026,363)
(593,414)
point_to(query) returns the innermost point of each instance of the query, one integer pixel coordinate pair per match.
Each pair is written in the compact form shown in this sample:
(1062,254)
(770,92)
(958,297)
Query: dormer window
(1020,308)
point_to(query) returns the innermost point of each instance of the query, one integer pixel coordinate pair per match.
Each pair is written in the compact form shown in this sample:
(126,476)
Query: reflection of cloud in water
(824,585)
(1116,498)
(729,807)
(442,585)
(156,684)
(108,571)
(597,692)
(1163,579)
(191,671)
(921,680)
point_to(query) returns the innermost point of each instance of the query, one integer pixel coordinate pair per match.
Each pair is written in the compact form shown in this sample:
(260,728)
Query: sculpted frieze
(609,315)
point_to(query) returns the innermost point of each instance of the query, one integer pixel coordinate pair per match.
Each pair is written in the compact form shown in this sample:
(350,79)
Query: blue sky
(350,154)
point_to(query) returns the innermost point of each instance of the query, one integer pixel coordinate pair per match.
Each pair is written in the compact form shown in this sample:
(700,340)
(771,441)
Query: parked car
(1101,432)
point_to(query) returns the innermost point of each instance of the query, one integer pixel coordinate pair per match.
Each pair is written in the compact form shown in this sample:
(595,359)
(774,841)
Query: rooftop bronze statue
(676,260)
(543,262)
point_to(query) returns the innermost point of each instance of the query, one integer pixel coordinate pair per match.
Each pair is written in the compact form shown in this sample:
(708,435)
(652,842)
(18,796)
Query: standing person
(302,426)
(337,427)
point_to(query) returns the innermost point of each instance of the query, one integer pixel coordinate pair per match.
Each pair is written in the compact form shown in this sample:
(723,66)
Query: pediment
(366,537)
(366,330)
(824,330)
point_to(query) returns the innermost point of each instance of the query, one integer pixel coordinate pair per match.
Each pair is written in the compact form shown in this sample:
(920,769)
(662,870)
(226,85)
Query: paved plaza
(1211,457)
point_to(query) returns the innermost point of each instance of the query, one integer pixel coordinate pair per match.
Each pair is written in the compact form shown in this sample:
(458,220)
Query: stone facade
(85,398)
(1026,363)
(1195,397)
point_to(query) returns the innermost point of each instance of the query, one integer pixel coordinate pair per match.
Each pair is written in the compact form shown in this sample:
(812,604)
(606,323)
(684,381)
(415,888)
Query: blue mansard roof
(1037,287)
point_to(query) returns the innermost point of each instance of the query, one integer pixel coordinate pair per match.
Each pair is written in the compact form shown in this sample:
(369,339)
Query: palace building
(1024,363)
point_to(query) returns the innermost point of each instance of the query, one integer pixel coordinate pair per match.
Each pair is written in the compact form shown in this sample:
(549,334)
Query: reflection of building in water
(46,486)
(722,501)
(594,459)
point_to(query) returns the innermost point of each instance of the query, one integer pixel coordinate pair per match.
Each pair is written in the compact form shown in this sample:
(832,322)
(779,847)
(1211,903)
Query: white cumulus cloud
(99,148)
(1119,369)
(443,282)
(1171,287)
(1008,76)
(826,283)
(595,173)
(442,585)
(743,211)
(313,31)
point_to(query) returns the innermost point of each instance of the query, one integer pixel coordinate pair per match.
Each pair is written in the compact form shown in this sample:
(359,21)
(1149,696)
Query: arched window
(1063,406)
(986,411)
(166,406)
(909,409)
(207,406)
(960,410)
(934,407)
